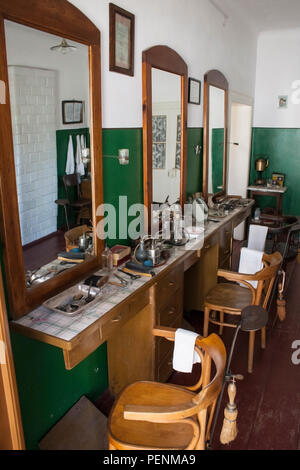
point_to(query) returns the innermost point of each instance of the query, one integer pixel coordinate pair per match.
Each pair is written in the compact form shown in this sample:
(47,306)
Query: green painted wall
(282,146)
(124,180)
(46,389)
(217,150)
(194,162)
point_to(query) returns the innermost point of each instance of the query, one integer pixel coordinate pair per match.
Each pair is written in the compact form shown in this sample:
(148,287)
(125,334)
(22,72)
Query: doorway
(239,155)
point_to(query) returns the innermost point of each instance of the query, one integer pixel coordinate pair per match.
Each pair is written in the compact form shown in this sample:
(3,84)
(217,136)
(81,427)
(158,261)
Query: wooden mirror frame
(218,80)
(166,59)
(61,18)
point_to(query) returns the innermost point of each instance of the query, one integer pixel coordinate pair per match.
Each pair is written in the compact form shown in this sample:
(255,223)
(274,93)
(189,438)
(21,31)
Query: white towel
(250,263)
(79,165)
(70,165)
(257,237)
(184,355)
(83,141)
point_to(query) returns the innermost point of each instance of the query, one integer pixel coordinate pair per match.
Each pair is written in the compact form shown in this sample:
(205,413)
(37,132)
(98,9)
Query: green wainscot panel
(47,390)
(194,162)
(123,180)
(282,147)
(217,158)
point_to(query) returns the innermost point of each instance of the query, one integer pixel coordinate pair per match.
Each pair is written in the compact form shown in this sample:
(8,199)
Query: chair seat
(81,203)
(127,434)
(232,297)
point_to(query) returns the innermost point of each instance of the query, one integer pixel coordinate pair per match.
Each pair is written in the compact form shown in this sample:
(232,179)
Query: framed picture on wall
(282,102)
(194,91)
(121,40)
(72,112)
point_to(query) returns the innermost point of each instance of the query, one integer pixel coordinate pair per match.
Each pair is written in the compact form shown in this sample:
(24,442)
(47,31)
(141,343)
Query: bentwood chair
(81,206)
(231,297)
(157,416)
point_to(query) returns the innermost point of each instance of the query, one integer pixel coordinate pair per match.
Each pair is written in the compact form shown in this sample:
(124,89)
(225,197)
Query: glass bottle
(107,259)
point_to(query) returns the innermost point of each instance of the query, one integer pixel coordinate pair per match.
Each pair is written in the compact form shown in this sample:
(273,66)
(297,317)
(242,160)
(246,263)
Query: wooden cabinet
(202,276)
(168,312)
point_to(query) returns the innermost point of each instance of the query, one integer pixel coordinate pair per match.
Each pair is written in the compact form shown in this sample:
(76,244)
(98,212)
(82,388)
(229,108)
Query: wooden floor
(269,398)
(43,251)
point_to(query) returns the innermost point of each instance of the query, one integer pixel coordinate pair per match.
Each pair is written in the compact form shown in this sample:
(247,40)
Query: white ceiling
(263,15)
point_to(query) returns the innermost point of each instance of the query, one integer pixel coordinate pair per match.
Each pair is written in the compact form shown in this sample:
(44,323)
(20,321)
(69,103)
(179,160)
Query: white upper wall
(194,28)
(31,48)
(278,67)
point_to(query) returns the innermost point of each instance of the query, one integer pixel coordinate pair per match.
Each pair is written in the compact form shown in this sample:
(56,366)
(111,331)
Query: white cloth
(79,165)
(82,142)
(250,263)
(184,355)
(70,165)
(257,237)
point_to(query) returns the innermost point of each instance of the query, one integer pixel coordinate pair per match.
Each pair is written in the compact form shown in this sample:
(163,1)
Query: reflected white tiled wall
(33,98)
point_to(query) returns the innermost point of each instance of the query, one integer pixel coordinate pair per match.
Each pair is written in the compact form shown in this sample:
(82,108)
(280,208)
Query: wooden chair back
(71,181)
(265,278)
(212,353)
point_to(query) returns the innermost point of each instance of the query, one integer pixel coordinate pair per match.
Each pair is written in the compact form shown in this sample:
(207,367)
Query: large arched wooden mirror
(164,126)
(40,142)
(215,134)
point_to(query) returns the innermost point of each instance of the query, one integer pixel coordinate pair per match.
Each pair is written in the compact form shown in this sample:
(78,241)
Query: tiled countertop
(66,328)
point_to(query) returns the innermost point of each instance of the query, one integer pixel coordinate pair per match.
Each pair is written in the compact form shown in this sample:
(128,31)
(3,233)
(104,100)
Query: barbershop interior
(149,225)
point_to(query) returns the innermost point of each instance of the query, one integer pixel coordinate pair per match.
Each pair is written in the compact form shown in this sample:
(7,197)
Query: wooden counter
(125,319)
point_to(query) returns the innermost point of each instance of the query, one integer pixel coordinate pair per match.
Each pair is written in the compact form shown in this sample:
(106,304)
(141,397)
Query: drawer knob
(172,311)
(171,284)
(206,247)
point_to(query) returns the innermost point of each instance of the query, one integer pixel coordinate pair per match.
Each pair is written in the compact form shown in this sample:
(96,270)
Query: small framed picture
(72,112)
(282,101)
(278,179)
(121,40)
(194,91)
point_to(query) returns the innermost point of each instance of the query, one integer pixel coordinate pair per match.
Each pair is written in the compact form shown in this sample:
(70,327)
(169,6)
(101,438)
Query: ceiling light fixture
(63,47)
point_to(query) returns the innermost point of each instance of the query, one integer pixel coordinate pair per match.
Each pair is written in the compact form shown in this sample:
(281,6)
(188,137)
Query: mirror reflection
(216,139)
(166,136)
(49,95)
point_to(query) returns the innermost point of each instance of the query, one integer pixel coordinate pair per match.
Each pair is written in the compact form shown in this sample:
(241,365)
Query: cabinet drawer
(172,310)
(242,216)
(167,286)
(165,347)
(123,314)
(165,368)
(209,243)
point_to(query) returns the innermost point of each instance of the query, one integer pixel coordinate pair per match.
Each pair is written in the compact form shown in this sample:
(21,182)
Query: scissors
(123,281)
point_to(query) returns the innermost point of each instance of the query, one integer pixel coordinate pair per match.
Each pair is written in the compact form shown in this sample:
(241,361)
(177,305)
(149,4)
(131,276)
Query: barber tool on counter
(200,209)
(150,252)
(85,241)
